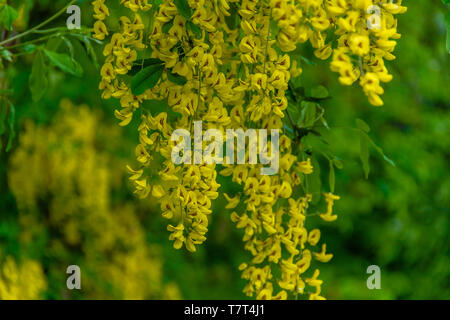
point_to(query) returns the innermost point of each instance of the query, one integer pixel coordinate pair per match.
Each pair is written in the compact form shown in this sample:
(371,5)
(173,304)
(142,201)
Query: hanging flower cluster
(21,281)
(366,31)
(71,170)
(229,63)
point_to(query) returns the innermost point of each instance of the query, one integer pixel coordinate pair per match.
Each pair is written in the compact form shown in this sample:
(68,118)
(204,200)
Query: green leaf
(362,125)
(30,48)
(308,114)
(65,63)
(338,163)
(324,122)
(380,151)
(195,29)
(146,63)
(7,16)
(53,44)
(241,71)
(332,178)
(90,51)
(166,27)
(38,79)
(294,112)
(232,20)
(11,121)
(297,92)
(274,28)
(183,8)
(319,92)
(364,153)
(156,4)
(176,78)
(6,54)
(69,46)
(146,79)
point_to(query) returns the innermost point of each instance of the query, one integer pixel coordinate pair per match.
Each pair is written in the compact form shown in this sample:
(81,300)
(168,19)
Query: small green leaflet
(38,79)
(167,26)
(176,78)
(232,20)
(30,48)
(308,114)
(338,163)
(364,142)
(183,8)
(7,16)
(7,55)
(146,79)
(53,43)
(90,51)
(362,125)
(274,28)
(195,29)
(65,63)
(319,92)
(380,151)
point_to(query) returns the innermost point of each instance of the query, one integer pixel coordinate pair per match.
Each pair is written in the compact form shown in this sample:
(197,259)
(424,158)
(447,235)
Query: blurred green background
(397,219)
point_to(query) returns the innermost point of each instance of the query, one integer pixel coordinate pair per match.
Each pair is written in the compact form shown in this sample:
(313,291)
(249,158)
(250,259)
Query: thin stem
(30,42)
(50,30)
(267,41)
(23,34)
(20,54)
(294,127)
(361,67)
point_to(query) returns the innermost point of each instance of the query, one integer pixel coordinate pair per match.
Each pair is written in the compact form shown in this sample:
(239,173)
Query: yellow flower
(314,237)
(100,30)
(101,11)
(359,44)
(232,202)
(324,52)
(233,77)
(305,166)
(323,256)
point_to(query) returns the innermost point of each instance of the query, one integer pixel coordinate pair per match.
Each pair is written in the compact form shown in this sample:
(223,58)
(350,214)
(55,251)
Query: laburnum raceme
(229,64)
